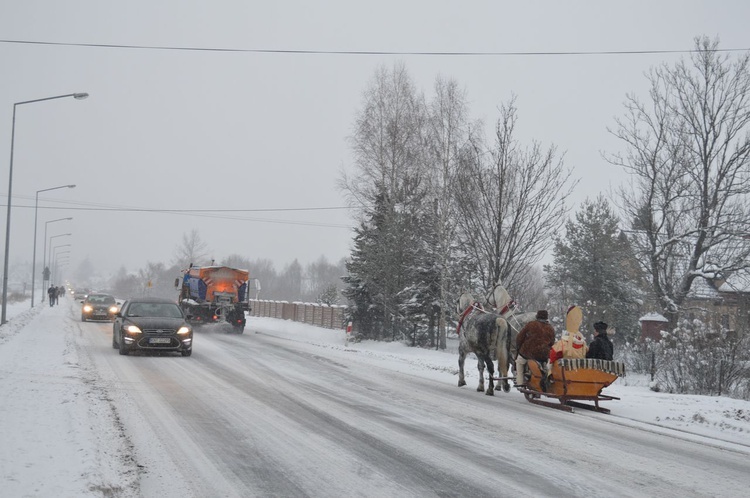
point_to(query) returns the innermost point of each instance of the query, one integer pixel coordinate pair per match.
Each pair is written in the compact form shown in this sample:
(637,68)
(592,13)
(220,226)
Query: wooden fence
(331,317)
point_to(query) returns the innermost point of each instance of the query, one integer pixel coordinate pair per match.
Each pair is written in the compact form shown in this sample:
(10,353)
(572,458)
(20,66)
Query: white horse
(500,300)
(482,333)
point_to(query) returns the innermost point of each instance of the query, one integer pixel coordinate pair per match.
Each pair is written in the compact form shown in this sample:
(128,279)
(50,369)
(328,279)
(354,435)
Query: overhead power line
(201,213)
(367,52)
(110,207)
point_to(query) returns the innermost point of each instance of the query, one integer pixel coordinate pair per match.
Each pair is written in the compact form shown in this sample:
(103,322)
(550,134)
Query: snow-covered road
(266,414)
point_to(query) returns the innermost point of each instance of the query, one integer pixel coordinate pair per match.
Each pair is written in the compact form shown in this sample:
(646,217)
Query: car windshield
(155,309)
(101,300)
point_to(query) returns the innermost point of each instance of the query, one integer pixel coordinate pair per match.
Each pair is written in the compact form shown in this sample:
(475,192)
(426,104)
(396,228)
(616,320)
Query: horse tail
(502,352)
(508,337)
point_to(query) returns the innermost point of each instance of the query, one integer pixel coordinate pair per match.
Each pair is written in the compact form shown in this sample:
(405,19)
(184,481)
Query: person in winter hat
(572,344)
(601,348)
(533,343)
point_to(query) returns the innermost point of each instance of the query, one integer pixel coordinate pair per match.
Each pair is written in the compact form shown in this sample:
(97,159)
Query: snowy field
(54,423)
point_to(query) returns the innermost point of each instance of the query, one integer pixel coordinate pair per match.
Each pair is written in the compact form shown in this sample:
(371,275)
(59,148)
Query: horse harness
(475,306)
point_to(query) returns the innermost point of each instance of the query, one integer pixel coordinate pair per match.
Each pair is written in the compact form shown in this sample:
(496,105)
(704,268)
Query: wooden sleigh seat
(574,380)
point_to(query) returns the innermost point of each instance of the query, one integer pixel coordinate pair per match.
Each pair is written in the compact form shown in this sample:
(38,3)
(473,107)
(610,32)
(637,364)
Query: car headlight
(113,309)
(183,330)
(87,308)
(132,329)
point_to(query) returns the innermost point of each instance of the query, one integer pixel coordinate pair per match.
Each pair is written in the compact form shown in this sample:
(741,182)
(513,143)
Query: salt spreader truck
(215,294)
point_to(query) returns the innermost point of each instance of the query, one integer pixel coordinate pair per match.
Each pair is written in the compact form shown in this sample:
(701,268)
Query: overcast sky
(245,130)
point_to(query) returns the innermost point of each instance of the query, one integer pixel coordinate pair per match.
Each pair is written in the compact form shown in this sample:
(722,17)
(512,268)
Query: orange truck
(215,294)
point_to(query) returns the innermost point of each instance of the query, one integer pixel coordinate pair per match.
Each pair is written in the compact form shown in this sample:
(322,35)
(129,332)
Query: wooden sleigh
(572,381)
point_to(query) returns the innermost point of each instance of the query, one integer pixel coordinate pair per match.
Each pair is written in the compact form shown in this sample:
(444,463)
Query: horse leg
(491,371)
(480,367)
(513,349)
(461,359)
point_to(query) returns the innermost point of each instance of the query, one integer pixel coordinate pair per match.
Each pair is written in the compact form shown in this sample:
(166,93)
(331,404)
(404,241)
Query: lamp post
(52,248)
(59,266)
(77,96)
(61,263)
(33,258)
(54,237)
(44,258)
(58,260)
(54,255)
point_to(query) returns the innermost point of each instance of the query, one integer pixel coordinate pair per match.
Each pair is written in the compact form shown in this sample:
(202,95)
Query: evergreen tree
(363,279)
(593,267)
(420,299)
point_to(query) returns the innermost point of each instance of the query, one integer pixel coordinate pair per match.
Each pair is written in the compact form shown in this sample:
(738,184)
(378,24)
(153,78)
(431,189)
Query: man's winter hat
(542,315)
(600,326)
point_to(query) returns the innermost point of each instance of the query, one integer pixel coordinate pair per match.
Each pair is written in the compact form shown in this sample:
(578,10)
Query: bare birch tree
(511,200)
(387,139)
(192,251)
(687,151)
(447,133)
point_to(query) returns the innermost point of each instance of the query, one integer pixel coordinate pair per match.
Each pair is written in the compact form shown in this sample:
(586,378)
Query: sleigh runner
(572,381)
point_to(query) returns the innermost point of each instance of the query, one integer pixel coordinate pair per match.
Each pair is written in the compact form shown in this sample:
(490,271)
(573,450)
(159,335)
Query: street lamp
(53,257)
(61,263)
(60,257)
(33,258)
(77,96)
(44,258)
(50,244)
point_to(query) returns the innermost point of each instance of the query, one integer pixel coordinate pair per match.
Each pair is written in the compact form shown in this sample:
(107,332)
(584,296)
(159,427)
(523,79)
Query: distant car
(152,324)
(80,294)
(99,307)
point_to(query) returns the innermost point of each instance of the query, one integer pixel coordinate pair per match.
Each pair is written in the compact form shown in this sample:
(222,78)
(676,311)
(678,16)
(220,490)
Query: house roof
(703,289)
(738,281)
(652,317)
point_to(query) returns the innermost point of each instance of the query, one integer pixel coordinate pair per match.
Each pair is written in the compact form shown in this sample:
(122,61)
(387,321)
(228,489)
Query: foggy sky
(187,130)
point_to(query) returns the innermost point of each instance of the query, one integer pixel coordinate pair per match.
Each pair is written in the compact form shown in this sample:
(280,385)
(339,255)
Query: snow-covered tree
(688,153)
(387,188)
(329,296)
(363,279)
(447,133)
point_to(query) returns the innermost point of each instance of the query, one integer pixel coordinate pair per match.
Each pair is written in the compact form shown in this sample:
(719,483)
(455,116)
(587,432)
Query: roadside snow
(720,418)
(60,436)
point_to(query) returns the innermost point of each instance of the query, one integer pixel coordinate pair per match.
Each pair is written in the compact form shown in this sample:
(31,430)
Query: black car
(152,324)
(99,307)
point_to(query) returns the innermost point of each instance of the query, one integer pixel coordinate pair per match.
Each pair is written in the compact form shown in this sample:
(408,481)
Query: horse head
(498,297)
(464,302)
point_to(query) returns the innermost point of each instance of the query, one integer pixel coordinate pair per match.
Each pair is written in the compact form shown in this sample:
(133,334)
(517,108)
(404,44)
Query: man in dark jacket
(601,347)
(534,342)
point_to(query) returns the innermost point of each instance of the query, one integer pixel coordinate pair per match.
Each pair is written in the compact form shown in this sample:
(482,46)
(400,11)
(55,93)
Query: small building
(652,325)
(727,298)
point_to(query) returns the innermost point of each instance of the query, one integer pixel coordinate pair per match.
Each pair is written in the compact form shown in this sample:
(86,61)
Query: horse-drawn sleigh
(493,333)
(571,381)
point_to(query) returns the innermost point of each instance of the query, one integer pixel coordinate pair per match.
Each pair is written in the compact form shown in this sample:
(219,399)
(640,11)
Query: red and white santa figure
(572,344)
